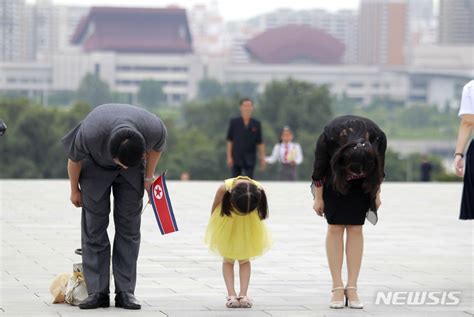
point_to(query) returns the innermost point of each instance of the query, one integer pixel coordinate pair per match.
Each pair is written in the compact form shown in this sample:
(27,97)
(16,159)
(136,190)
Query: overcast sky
(230,9)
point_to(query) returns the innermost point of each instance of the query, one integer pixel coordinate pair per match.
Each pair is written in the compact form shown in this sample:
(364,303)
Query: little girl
(288,154)
(236,232)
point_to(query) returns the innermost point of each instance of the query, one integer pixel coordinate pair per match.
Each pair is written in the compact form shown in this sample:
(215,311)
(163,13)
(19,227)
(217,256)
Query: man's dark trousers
(128,203)
(237,170)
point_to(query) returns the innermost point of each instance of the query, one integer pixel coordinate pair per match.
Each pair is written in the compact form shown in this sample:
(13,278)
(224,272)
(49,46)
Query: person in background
(185,176)
(3,127)
(466,168)
(244,136)
(288,154)
(425,169)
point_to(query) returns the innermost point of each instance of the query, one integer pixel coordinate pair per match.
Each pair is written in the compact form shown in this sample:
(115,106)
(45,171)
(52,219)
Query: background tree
(209,88)
(241,89)
(301,105)
(196,132)
(150,94)
(93,90)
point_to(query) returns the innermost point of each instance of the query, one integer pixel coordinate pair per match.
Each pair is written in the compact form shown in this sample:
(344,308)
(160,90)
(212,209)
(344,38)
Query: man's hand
(318,206)
(147,186)
(459,165)
(76,198)
(230,162)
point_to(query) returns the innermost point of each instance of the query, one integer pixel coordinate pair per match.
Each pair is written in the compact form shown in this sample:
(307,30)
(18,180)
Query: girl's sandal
(245,302)
(232,302)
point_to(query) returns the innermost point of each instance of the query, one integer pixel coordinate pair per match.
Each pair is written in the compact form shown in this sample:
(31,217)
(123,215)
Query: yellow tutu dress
(239,237)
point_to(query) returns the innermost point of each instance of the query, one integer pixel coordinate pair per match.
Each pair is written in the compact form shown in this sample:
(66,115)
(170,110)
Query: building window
(178,83)
(132,68)
(355,85)
(175,98)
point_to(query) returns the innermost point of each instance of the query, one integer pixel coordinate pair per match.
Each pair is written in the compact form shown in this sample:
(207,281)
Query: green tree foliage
(407,168)
(211,88)
(405,122)
(303,106)
(31,147)
(93,90)
(197,132)
(241,89)
(61,98)
(150,94)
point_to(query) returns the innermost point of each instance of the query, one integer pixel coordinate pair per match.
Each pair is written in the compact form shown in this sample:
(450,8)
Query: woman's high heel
(356,304)
(339,303)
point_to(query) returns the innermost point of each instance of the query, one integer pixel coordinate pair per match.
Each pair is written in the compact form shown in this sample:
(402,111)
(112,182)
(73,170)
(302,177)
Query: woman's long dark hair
(358,157)
(245,197)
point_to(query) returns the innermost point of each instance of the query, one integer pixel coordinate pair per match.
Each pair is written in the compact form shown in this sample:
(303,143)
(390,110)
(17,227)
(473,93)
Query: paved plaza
(418,245)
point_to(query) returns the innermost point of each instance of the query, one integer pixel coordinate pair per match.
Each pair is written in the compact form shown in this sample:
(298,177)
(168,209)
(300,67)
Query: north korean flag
(160,200)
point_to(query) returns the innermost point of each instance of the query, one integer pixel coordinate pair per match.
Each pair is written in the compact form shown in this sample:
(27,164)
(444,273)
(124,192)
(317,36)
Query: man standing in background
(244,136)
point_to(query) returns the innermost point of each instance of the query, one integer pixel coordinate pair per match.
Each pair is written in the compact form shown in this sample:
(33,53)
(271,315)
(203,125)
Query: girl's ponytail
(226,206)
(262,205)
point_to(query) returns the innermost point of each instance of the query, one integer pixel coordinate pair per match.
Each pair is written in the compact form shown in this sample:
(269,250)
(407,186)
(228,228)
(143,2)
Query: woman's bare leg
(354,251)
(335,255)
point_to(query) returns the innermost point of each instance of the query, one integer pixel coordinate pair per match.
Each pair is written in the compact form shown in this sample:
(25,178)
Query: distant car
(3,127)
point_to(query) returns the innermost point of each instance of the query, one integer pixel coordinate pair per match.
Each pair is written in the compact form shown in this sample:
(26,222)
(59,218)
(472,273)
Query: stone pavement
(418,245)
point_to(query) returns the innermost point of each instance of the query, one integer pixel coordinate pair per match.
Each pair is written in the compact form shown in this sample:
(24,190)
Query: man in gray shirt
(114,149)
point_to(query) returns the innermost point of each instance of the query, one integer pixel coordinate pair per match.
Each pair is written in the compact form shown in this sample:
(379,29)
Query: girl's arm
(274,157)
(218,198)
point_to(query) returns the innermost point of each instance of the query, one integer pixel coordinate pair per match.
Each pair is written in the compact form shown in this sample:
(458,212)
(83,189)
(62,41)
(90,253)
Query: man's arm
(74,171)
(230,144)
(261,155)
(152,158)
(230,161)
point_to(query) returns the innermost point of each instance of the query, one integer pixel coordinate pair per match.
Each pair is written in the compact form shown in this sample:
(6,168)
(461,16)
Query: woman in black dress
(348,171)
(466,169)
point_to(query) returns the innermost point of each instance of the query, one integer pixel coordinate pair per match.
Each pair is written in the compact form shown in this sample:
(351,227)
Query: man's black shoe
(127,301)
(95,300)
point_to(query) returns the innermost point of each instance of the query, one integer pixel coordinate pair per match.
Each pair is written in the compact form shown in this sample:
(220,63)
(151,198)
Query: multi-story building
(208,29)
(125,46)
(422,21)
(35,32)
(42,30)
(456,22)
(13,42)
(121,46)
(383,32)
(342,25)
